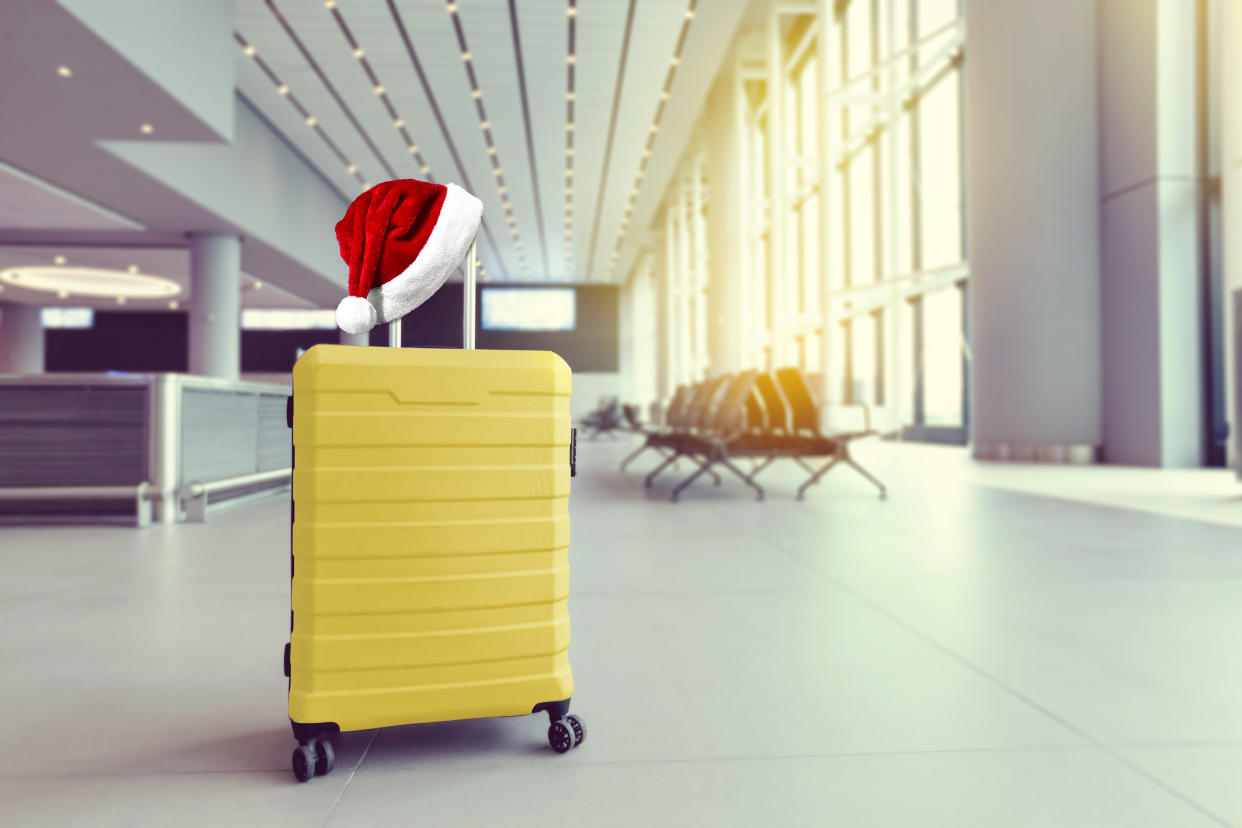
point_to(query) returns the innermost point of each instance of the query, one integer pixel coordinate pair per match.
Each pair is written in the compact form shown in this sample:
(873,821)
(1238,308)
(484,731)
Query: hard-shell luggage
(430,551)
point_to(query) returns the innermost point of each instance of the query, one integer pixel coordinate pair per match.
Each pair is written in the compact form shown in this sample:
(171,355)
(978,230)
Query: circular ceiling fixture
(90,281)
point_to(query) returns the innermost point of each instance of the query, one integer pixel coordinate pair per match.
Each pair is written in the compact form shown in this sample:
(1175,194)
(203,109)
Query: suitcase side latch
(573,452)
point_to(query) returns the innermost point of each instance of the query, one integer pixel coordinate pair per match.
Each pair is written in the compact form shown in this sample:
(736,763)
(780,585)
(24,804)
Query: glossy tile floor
(960,654)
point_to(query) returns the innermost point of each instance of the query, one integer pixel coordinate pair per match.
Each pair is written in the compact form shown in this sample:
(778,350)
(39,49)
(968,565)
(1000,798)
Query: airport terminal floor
(962,653)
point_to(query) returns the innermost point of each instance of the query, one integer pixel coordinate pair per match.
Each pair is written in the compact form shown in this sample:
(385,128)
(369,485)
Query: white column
(215,299)
(1229,35)
(21,339)
(777,276)
(1151,233)
(355,339)
(1033,213)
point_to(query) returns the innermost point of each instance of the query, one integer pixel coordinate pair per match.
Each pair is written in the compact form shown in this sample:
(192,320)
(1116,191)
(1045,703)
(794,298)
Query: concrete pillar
(21,339)
(1033,213)
(1229,35)
(354,339)
(215,299)
(1151,223)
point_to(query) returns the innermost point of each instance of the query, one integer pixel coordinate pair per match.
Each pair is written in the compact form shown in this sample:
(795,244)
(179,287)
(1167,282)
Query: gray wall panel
(72,436)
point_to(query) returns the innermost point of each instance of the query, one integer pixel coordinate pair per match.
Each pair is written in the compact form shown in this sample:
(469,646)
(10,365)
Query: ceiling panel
(452,143)
(652,43)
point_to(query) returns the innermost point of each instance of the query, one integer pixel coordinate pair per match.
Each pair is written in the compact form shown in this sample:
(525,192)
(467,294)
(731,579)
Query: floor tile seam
(352,772)
(997,682)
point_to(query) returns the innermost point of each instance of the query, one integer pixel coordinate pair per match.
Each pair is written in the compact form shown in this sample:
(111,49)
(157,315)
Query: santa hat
(401,240)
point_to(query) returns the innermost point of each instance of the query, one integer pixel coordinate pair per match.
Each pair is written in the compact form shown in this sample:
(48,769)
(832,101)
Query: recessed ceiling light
(311,120)
(90,281)
(689,13)
(248,50)
(358,53)
(398,122)
(572,11)
(330,3)
(120,300)
(491,150)
(351,169)
(569,96)
(571,59)
(413,148)
(173,305)
(569,127)
(674,60)
(452,7)
(146,129)
(476,93)
(497,172)
(132,268)
(64,71)
(485,124)
(379,89)
(465,56)
(425,169)
(283,89)
(60,260)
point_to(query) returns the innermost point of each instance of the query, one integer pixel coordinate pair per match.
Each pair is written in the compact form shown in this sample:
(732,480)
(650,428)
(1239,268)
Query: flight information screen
(529,309)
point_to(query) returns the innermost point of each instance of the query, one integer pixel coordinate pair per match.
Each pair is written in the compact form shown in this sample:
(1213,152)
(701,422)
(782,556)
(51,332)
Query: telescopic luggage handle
(468,302)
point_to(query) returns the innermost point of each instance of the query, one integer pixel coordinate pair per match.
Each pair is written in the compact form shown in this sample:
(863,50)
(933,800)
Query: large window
(843,179)
(686,269)
(897,280)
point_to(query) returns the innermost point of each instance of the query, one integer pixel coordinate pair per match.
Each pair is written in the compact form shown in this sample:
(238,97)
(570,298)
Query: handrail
(199,487)
(138,490)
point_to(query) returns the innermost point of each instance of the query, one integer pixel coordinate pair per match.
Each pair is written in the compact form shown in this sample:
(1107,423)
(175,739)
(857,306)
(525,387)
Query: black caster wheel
(325,757)
(303,763)
(578,727)
(560,736)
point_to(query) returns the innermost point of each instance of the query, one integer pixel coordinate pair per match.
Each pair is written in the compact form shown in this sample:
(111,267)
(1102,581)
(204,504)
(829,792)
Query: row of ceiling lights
(282,88)
(378,87)
(674,62)
(493,155)
(572,13)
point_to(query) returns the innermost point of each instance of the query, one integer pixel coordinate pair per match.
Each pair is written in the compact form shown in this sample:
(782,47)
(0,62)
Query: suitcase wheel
(315,758)
(566,733)
(579,728)
(303,763)
(325,757)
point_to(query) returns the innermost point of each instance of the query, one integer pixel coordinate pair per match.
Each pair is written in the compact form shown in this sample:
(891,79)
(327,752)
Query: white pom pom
(355,315)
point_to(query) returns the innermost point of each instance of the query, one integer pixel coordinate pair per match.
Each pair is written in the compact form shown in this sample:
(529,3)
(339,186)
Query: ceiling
(519,53)
(230,153)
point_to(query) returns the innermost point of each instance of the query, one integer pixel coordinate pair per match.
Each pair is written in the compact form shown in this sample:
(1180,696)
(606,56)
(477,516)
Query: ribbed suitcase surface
(430,535)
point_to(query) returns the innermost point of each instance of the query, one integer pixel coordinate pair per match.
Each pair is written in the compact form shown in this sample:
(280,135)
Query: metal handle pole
(467,332)
(394,333)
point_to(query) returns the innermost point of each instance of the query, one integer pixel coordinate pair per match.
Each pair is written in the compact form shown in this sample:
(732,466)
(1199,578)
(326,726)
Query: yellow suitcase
(430,542)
